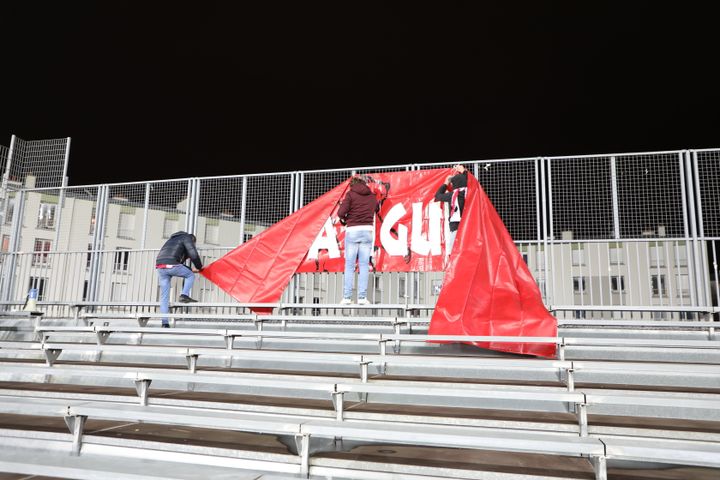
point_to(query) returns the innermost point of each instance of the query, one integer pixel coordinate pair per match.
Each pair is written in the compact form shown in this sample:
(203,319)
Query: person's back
(177,249)
(359,206)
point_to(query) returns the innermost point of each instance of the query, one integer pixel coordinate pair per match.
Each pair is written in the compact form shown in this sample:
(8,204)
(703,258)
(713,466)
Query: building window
(402,291)
(10,209)
(247,237)
(617,255)
(316,311)
(89,256)
(658,285)
(681,260)
(126,225)
(298,310)
(92,222)
(657,255)
(212,233)
(118,291)
(170,225)
(46,216)
(86,286)
(578,255)
(578,284)
(617,284)
(5,243)
(41,249)
(436,287)
(40,284)
(683,285)
(122,257)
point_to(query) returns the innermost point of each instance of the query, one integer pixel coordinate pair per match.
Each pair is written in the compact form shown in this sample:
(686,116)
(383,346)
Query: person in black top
(453,192)
(170,262)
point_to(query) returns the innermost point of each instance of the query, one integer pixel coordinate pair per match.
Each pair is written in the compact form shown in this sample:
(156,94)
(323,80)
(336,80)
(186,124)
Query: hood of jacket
(361,189)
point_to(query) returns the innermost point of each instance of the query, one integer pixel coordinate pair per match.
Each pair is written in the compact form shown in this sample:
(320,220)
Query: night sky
(153,90)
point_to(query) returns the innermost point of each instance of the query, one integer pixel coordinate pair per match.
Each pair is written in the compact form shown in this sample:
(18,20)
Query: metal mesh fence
(269,200)
(618,237)
(167,210)
(220,212)
(512,187)
(708,175)
(650,195)
(581,197)
(45,161)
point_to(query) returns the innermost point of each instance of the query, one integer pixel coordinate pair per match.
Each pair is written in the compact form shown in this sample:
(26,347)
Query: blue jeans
(358,247)
(164,277)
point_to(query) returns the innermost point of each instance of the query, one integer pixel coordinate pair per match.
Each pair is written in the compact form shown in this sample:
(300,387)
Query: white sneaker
(345,301)
(363,301)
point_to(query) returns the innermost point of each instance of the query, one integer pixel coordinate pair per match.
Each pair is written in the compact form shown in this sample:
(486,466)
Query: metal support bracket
(192,359)
(76,424)
(51,354)
(142,385)
(338,404)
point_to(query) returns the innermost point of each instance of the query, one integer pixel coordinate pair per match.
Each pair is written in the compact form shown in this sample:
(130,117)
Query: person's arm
(192,253)
(442,194)
(344,208)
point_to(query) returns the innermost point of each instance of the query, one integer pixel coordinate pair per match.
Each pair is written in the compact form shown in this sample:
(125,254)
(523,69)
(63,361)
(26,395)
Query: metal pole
(691,236)
(146,208)
(61,199)
(5,179)
(615,207)
(549,236)
(188,206)
(15,235)
(243,207)
(196,206)
(705,271)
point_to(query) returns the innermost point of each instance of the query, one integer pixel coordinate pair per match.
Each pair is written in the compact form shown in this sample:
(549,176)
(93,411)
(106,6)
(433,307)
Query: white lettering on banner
(396,247)
(325,240)
(430,245)
(422,245)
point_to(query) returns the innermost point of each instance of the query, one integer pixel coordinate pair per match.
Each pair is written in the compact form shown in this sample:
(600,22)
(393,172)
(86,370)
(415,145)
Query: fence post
(696,290)
(15,234)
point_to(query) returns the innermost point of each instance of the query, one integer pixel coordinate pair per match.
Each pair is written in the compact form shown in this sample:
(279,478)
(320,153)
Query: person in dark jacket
(357,213)
(453,192)
(170,262)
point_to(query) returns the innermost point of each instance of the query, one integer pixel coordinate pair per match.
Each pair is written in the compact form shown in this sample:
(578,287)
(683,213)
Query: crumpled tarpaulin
(487,288)
(259,270)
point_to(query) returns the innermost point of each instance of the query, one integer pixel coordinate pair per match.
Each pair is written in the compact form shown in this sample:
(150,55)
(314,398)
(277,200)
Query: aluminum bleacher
(348,395)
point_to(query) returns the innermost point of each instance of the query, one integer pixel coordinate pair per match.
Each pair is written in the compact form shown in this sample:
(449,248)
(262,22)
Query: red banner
(487,287)
(410,227)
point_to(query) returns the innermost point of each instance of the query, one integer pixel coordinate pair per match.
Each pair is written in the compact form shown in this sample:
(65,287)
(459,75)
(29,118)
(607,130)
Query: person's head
(356,179)
(459,180)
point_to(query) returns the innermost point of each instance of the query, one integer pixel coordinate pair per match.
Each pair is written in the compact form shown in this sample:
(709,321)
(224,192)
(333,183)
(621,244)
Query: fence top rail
(456,436)
(562,341)
(641,323)
(626,154)
(634,308)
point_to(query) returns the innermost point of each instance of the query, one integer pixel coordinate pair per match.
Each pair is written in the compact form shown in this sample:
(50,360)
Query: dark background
(153,90)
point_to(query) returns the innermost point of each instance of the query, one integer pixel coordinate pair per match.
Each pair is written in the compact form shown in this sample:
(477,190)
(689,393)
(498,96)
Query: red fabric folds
(259,270)
(488,289)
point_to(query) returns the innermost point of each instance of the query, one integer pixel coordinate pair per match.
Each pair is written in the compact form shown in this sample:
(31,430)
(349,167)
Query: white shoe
(363,301)
(345,301)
